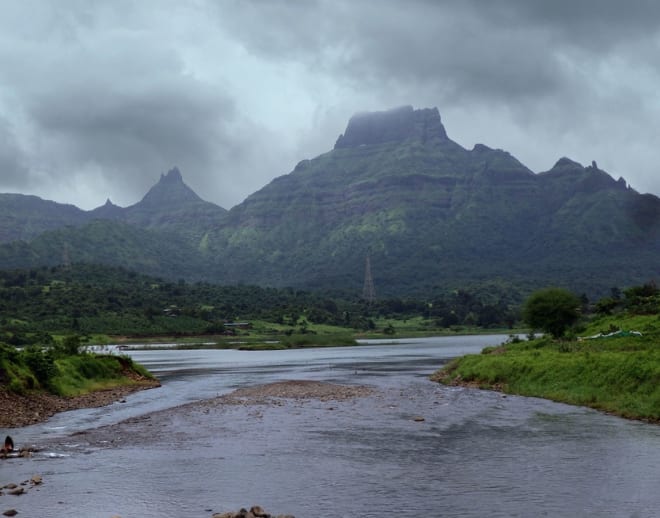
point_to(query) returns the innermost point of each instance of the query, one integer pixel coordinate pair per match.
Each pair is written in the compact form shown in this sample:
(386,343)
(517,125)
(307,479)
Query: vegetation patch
(98,302)
(614,372)
(60,372)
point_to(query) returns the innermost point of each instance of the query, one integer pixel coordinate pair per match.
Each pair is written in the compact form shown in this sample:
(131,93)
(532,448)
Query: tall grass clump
(63,369)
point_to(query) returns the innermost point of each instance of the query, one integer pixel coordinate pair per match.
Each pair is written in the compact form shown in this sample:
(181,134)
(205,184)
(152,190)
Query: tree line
(88,299)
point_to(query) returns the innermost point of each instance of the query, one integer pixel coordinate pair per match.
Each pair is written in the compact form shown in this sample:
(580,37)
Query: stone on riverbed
(255,511)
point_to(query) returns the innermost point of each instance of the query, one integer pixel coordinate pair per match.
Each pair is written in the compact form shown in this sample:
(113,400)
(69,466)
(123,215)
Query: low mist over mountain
(429,213)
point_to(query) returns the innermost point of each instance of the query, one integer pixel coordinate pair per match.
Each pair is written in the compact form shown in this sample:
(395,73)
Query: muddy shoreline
(254,399)
(25,410)
(37,408)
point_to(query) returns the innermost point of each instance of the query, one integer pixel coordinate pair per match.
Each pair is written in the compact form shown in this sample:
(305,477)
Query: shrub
(552,310)
(42,364)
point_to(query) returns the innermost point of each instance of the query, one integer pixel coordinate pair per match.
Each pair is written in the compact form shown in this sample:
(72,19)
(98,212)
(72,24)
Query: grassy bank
(619,375)
(65,373)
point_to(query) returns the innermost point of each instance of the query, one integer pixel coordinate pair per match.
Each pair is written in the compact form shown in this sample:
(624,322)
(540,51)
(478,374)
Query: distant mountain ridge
(430,214)
(169,205)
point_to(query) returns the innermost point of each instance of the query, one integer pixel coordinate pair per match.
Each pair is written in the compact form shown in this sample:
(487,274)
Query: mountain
(169,206)
(23,217)
(429,213)
(172,205)
(110,243)
(163,234)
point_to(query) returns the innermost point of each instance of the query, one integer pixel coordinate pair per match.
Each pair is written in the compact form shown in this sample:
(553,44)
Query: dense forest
(89,299)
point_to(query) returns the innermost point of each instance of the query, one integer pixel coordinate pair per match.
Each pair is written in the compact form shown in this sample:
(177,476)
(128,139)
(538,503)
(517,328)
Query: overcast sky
(98,98)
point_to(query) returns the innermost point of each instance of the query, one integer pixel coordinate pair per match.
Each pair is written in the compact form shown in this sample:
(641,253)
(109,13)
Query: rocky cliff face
(394,125)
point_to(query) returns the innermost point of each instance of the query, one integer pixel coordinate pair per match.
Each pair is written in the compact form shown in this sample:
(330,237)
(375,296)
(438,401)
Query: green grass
(86,373)
(647,324)
(619,376)
(41,369)
(311,340)
(420,327)
(297,341)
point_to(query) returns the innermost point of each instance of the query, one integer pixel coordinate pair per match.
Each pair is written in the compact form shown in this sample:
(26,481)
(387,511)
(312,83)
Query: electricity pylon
(368,291)
(66,260)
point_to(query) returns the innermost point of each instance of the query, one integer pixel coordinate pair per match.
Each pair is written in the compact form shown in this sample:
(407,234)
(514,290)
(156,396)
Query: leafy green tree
(552,310)
(605,306)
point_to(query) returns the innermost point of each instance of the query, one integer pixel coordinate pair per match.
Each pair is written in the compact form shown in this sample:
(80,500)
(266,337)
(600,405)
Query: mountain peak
(394,125)
(173,176)
(566,164)
(170,190)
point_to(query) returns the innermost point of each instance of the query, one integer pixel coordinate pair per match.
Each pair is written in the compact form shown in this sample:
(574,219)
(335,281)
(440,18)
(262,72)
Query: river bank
(614,375)
(37,407)
(474,454)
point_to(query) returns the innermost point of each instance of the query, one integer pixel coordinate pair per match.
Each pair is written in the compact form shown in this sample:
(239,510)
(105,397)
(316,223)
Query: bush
(552,310)
(70,346)
(42,364)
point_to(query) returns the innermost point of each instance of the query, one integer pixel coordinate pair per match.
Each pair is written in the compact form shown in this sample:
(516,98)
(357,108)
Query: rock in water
(255,511)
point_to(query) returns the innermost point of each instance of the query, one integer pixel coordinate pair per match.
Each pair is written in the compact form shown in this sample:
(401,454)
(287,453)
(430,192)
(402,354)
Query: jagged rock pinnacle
(172,176)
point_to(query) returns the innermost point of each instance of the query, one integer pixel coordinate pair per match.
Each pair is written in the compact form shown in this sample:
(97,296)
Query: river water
(475,454)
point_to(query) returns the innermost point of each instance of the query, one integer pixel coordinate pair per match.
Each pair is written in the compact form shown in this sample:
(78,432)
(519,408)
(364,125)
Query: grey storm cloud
(472,50)
(125,130)
(14,172)
(97,99)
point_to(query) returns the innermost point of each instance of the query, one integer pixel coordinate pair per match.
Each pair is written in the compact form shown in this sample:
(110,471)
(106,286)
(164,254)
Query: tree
(552,310)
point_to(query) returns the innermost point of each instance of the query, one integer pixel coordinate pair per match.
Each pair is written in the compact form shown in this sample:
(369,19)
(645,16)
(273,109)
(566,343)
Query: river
(475,454)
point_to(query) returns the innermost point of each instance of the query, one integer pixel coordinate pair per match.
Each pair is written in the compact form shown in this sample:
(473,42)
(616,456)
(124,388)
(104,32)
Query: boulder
(258,512)
(255,511)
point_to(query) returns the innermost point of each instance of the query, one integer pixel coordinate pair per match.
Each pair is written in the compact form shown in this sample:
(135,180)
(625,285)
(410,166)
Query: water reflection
(475,454)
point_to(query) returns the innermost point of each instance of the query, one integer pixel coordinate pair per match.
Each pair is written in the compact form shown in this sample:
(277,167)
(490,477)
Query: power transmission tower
(368,291)
(66,260)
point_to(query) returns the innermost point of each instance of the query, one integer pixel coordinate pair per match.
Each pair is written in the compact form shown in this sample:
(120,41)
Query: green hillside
(429,213)
(108,243)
